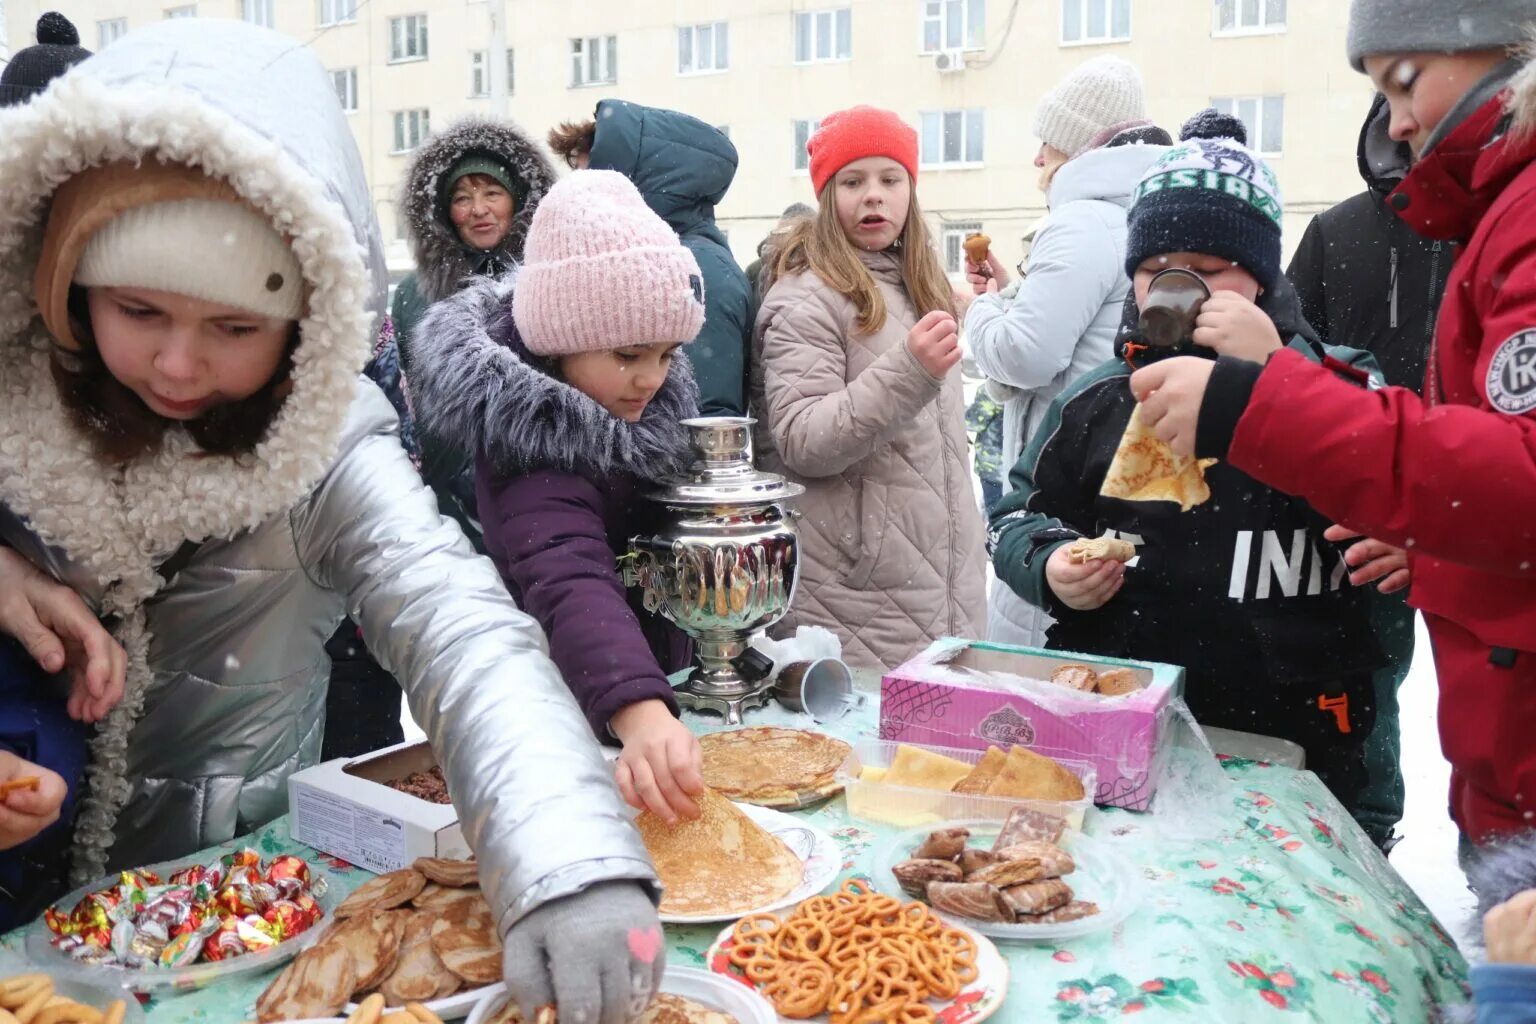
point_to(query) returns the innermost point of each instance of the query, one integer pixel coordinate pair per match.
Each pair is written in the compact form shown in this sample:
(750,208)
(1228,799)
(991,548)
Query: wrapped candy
(246,858)
(289,875)
(236,901)
(185,949)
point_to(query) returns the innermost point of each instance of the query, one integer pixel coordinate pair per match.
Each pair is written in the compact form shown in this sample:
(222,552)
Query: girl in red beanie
(857,396)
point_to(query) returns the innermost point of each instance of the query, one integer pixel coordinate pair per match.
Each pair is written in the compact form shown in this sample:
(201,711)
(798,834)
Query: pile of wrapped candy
(201,914)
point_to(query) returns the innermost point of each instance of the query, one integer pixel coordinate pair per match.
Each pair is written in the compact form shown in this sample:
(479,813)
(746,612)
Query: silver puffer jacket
(227,673)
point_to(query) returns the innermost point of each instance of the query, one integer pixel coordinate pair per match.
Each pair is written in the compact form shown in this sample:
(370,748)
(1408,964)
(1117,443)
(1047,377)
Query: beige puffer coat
(892,546)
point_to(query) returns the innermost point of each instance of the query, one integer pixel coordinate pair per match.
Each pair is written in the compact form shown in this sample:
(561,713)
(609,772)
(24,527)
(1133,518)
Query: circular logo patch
(1512,375)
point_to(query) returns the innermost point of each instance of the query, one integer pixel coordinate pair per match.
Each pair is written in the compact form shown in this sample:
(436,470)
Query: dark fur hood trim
(443,262)
(480,388)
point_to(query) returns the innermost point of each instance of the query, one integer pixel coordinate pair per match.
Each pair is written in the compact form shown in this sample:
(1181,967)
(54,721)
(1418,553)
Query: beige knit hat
(1098,94)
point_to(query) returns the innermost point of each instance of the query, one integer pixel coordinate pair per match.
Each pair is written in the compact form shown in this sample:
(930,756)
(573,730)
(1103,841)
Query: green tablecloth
(1280,915)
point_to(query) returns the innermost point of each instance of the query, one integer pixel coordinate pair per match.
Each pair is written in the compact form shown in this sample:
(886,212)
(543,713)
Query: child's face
(183,356)
(622,381)
(872,199)
(481,210)
(1219,274)
(1423,87)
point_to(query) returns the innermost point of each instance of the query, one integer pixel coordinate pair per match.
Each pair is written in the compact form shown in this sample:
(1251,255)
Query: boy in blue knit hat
(1241,589)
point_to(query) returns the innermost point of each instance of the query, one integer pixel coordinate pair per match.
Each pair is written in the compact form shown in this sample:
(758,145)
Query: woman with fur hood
(468,199)
(190,272)
(568,383)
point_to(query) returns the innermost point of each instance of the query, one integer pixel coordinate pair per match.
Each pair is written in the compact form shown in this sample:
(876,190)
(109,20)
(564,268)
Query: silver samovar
(724,568)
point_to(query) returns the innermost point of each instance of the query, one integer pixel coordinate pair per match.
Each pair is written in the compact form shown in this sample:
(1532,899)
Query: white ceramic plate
(1101,877)
(454,1007)
(41,950)
(702,987)
(981,998)
(816,850)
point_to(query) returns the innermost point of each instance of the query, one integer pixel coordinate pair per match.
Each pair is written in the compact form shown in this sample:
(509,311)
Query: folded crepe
(772,766)
(924,769)
(1146,469)
(721,862)
(1028,775)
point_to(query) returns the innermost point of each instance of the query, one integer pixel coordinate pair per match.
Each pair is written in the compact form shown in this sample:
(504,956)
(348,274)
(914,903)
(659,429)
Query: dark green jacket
(683,168)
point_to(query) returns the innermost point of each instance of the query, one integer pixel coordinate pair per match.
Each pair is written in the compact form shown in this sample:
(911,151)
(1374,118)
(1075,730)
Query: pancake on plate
(721,862)
(773,767)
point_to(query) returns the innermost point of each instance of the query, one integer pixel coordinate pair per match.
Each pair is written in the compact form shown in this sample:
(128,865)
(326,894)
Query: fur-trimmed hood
(443,261)
(481,389)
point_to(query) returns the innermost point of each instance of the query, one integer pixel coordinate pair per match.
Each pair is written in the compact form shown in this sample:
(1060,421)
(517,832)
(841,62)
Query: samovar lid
(722,472)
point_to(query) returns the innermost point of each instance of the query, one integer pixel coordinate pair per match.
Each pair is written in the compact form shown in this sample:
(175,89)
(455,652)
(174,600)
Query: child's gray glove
(597,955)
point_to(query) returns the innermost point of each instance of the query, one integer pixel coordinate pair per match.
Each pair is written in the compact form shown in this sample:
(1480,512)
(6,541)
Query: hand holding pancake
(1083,587)
(661,767)
(1171,392)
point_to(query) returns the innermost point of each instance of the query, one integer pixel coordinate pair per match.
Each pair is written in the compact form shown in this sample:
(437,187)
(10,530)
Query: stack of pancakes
(720,863)
(773,767)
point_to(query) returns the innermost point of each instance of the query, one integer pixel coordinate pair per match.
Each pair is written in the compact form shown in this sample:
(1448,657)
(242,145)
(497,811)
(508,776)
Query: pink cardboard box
(967,694)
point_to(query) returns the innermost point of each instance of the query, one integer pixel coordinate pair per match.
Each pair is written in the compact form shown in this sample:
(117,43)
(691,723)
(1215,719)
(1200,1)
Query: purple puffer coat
(560,485)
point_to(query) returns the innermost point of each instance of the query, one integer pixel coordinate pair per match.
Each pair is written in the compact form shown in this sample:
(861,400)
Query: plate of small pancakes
(736,859)
(688,996)
(785,769)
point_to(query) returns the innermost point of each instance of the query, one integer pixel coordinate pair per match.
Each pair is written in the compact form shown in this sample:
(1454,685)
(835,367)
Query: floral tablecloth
(1281,914)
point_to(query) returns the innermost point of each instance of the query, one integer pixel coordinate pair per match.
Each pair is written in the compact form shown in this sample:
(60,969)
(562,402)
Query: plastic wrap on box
(963,693)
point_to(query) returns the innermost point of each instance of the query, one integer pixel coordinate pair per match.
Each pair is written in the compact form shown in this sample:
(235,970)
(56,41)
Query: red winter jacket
(1451,476)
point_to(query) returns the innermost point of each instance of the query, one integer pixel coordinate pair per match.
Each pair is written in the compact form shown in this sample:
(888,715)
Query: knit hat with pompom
(1210,194)
(29,71)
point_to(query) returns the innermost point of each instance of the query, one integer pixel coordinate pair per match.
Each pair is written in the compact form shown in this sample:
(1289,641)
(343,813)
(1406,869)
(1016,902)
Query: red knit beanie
(856,133)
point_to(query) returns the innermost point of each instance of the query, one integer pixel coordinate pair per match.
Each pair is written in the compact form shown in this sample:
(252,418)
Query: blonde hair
(819,244)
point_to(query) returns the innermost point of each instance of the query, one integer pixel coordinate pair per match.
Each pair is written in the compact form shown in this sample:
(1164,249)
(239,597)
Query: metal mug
(822,689)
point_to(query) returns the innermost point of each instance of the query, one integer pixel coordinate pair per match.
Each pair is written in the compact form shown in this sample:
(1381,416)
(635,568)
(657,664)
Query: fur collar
(482,390)
(443,262)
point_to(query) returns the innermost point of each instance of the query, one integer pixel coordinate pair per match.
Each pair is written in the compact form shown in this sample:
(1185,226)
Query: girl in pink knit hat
(568,381)
(858,398)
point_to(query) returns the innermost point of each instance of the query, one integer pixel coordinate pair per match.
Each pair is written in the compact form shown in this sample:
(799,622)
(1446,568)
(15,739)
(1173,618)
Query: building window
(1095,21)
(411,129)
(188,11)
(823,35)
(1264,117)
(594,60)
(702,49)
(109,31)
(1245,17)
(345,81)
(803,132)
(511,72)
(953,138)
(954,25)
(408,37)
(257,12)
(954,245)
(479,73)
(335,12)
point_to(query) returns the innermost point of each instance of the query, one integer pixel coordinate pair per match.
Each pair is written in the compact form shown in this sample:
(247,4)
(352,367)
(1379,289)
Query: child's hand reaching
(1509,929)
(1235,327)
(24,811)
(1083,587)
(935,343)
(661,764)
(1372,560)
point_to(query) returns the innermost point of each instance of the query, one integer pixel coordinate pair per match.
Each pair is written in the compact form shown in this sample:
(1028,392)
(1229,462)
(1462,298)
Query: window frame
(1256,127)
(607,47)
(479,66)
(181,11)
(812,19)
(419,118)
(1110,39)
(351,90)
(1238,30)
(963,164)
(416,19)
(350,7)
(798,153)
(956,231)
(718,30)
(267,6)
(120,29)
(975,36)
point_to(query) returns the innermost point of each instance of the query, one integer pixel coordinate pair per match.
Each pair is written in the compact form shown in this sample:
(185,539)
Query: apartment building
(967,73)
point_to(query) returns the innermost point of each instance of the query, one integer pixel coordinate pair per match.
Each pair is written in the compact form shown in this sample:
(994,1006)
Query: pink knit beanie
(601,272)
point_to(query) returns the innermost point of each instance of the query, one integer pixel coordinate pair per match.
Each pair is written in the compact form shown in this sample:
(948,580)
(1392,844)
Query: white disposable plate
(41,950)
(454,1007)
(1101,878)
(979,1000)
(816,850)
(702,987)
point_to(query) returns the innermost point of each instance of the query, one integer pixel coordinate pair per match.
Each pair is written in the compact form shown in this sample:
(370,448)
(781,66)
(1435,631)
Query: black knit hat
(1209,194)
(31,69)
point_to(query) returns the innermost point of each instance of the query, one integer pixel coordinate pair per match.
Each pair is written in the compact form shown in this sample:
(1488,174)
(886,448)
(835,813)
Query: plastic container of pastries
(872,799)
